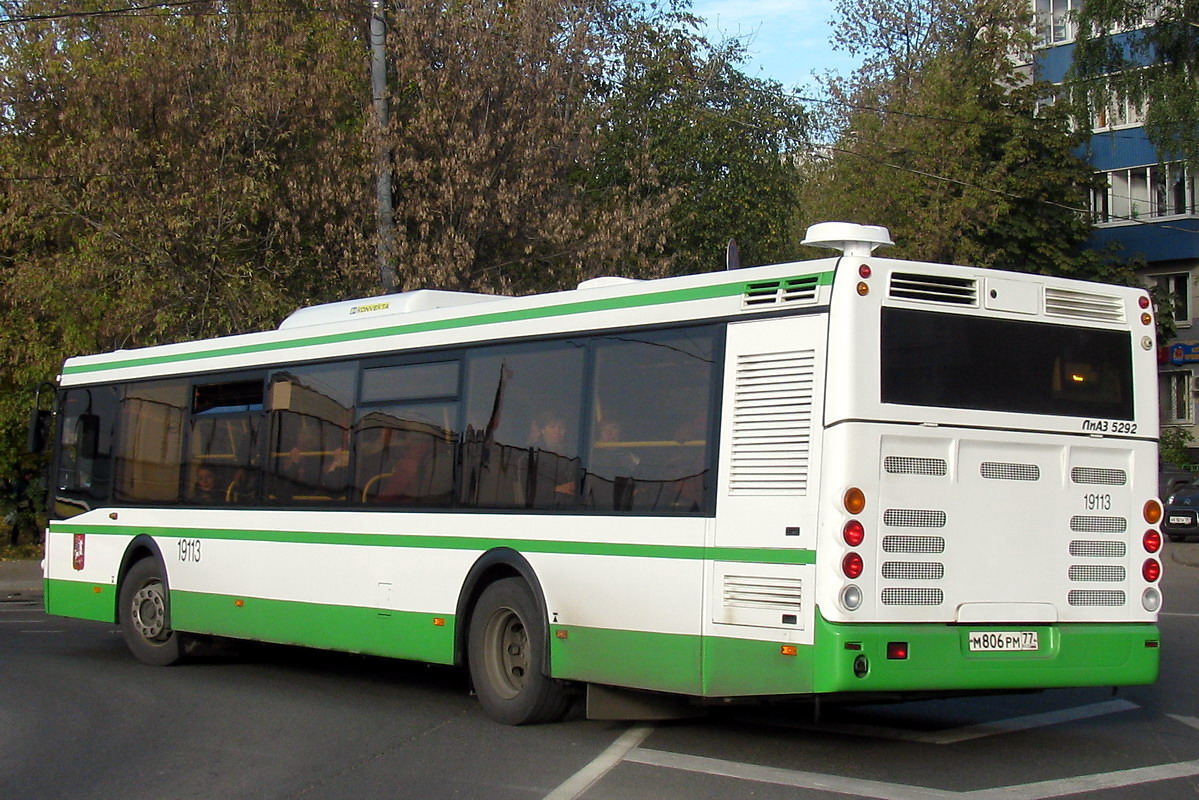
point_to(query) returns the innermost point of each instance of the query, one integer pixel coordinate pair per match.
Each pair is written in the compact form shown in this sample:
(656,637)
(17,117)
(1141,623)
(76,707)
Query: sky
(787,40)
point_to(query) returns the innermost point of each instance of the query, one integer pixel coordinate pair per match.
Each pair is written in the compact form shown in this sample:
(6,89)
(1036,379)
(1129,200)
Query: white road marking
(836,784)
(877,790)
(584,779)
(982,729)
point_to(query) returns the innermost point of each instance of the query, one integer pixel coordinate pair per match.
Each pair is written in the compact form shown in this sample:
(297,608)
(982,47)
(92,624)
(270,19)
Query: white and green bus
(852,476)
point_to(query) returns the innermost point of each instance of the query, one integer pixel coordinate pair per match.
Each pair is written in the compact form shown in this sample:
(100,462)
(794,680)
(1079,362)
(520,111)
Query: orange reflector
(855,500)
(561,634)
(1153,512)
(97,590)
(863,288)
(239,603)
(789,650)
(439,621)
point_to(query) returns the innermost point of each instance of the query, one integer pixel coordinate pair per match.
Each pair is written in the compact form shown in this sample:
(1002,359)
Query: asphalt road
(79,718)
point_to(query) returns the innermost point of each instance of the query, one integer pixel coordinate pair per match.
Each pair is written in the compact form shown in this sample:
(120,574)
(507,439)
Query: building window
(1140,193)
(1055,20)
(1175,397)
(1177,287)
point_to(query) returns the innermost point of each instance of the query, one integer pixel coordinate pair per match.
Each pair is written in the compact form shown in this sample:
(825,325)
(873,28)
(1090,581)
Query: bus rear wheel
(145,617)
(506,648)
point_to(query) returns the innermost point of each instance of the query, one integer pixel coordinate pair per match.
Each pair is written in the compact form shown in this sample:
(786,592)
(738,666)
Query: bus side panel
(627,621)
(760,581)
(81,572)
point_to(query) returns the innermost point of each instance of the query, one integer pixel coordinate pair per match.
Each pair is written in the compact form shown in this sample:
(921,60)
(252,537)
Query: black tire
(145,616)
(506,648)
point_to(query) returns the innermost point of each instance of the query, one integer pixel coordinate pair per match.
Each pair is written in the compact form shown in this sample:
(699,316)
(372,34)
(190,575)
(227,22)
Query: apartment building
(1149,206)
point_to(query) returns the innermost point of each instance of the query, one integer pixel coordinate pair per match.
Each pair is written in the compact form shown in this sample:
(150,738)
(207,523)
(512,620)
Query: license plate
(1002,641)
(1177,520)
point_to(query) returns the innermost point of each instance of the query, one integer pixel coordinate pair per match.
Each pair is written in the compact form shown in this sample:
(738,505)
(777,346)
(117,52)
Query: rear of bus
(987,513)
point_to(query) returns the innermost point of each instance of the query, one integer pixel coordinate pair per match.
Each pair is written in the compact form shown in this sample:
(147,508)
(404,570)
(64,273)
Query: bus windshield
(983,363)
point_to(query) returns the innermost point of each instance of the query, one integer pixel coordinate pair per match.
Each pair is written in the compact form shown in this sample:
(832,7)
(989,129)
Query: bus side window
(650,445)
(524,421)
(150,441)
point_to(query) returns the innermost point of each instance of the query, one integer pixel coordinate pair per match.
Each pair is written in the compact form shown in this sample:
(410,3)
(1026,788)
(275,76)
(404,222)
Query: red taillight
(852,565)
(1152,541)
(1151,570)
(864,271)
(855,533)
(1143,300)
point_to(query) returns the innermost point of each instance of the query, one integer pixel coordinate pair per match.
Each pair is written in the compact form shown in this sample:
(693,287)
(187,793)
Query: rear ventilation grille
(913,518)
(1083,305)
(790,290)
(913,570)
(934,289)
(913,597)
(1096,597)
(1085,549)
(1098,524)
(1010,472)
(772,423)
(1096,475)
(902,465)
(1098,572)
(913,544)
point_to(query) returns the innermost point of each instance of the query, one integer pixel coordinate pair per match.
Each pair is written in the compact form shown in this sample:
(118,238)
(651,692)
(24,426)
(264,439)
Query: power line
(104,12)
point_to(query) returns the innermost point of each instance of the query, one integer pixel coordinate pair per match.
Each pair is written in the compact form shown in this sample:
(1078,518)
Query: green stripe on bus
(354,629)
(519,315)
(474,543)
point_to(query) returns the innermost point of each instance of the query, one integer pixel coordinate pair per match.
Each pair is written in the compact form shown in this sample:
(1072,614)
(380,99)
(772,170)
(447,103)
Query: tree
(945,141)
(720,145)
(1143,54)
(169,175)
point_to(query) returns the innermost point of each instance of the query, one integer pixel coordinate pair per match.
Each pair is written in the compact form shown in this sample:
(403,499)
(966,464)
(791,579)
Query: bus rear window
(959,361)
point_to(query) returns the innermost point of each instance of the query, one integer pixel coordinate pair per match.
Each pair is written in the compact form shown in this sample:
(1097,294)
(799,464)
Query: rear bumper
(854,657)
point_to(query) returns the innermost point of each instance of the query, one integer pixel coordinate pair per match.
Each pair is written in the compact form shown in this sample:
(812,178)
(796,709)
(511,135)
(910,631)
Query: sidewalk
(20,580)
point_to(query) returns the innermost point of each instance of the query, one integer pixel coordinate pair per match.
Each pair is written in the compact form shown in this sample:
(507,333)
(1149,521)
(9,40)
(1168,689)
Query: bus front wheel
(144,617)
(506,648)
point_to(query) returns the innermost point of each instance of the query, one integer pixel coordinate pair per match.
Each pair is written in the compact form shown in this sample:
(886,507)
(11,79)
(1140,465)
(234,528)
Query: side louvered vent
(934,288)
(772,423)
(1083,305)
(761,600)
(753,591)
(788,290)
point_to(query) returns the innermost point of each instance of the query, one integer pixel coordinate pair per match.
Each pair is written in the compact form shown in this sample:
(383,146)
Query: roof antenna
(732,255)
